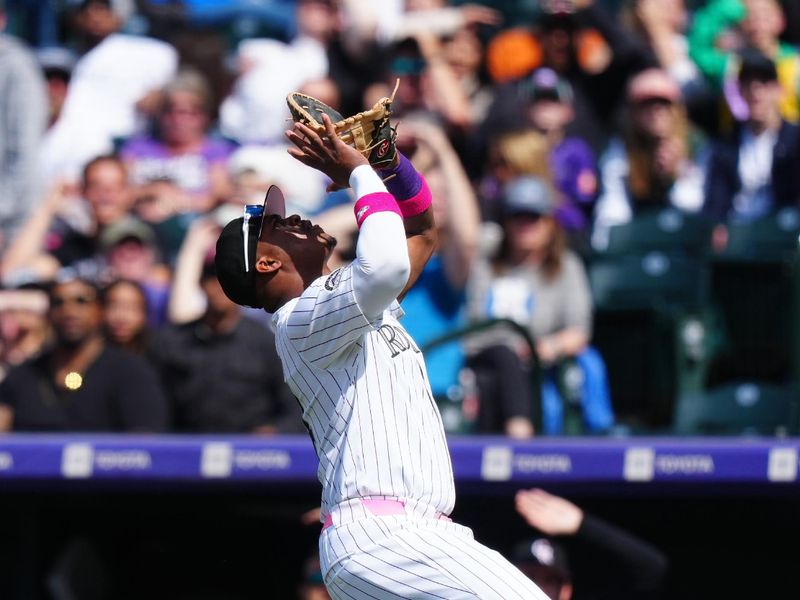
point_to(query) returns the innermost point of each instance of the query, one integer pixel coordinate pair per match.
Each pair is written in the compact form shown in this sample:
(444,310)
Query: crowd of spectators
(130,132)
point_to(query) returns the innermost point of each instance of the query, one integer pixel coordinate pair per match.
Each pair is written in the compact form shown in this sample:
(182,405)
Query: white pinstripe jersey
(365,397)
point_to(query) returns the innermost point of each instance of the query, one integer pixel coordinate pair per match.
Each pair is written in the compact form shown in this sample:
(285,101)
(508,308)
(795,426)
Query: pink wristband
(375,202)
(418,203)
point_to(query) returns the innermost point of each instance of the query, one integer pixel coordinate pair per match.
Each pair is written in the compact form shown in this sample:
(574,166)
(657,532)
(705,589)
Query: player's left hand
(328,154)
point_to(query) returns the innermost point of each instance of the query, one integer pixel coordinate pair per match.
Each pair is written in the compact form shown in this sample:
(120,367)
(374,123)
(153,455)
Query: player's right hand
(328,154)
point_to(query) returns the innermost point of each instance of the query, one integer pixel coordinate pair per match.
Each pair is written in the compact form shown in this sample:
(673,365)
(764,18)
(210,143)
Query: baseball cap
(546,84)
(236,249)
(541,552)
(755,66)
(526,195)
(653,84)
(56,60)
(127,228)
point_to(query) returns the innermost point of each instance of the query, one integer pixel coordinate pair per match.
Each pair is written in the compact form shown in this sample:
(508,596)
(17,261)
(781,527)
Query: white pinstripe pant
(410,557)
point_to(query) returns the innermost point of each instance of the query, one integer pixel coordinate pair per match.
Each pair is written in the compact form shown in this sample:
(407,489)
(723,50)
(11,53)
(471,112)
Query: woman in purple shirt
(181,154)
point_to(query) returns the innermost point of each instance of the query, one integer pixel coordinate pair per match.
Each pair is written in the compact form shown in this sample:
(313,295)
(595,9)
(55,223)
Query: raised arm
(27,249)
(413,197)
(394,242)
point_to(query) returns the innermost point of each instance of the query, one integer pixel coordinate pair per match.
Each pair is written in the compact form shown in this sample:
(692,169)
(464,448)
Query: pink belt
(380,507)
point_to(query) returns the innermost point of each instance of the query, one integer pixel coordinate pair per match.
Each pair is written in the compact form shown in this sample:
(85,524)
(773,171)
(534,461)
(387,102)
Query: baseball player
(360,379)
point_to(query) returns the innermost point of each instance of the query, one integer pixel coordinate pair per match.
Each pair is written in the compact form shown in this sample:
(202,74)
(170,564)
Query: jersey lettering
(396,339)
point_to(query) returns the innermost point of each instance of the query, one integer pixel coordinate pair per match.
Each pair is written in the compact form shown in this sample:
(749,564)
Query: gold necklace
(73,381)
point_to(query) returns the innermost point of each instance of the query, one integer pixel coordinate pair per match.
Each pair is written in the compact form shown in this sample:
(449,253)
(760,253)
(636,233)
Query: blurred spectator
(397,20)
(572,162)
(125,316)
(57,64)
(582,557)
(256,110)
(657,163)
(23,118)
(131,253)
(406,64)
(187,302)
(535,280)
(181,152)
(66,231)
(754,171)
(584,44)
(511,154)
(81,383)
(662,25)
(313,585)
(23,325)
(113,90)
(722,28)
(437,55)
(222,371)
(464,51)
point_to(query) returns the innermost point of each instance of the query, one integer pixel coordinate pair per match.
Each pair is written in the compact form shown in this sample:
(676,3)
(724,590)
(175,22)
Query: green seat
(651,324)
(772,238)
(667,230)
(653,280)
(740,408)
(755,285)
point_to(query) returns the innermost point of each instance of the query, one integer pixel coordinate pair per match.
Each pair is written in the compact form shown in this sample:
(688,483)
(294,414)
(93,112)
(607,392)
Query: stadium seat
(653,280)
(653,327)
(773,238)
(739,408)
(666,230)
(756,293)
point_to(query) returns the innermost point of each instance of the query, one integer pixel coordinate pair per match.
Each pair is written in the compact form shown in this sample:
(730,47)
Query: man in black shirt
(80,384)
(222,371)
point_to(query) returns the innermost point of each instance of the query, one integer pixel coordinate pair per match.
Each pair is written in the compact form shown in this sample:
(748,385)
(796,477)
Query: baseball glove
(370,131)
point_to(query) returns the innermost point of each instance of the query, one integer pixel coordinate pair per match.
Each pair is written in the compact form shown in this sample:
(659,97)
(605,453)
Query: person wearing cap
(57,64)
(753,172)
(579,556)
(130,251)
(360,379)
(572,161)
(721,29)
(658,162)
(535,280)
(80,383)
(583,43)
(545,561)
